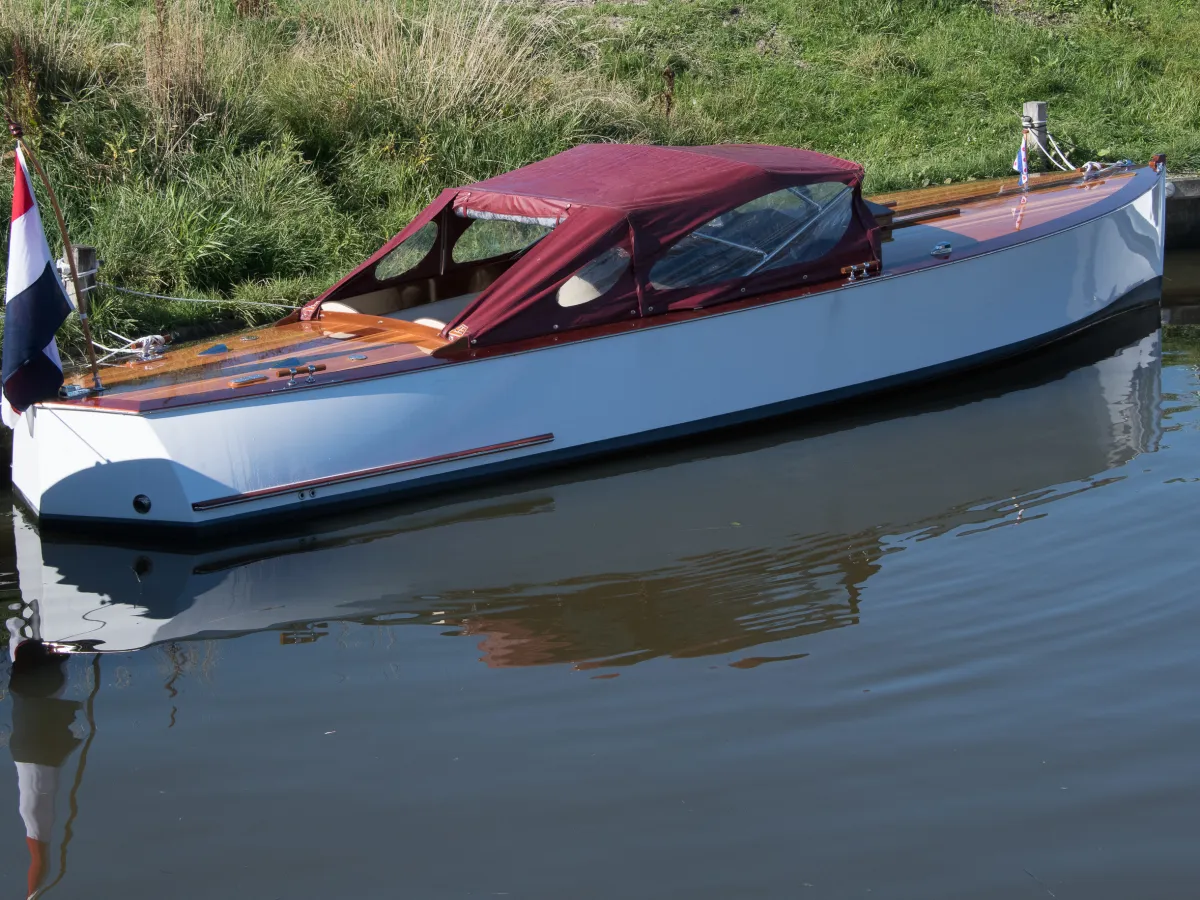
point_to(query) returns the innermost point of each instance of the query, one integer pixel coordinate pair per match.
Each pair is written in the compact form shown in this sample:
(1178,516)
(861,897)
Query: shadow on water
(1181,288)
(711,548)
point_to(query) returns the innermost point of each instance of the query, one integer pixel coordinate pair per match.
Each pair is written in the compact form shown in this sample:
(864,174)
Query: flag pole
(81,302)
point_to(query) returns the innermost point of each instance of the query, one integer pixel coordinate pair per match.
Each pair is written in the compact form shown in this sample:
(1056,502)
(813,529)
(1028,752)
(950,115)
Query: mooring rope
(151,346)
(1050,156)
(122,290)
(1089,169)
(1061,155)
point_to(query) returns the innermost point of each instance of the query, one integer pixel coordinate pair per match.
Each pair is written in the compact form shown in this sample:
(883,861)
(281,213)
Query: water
(935,647)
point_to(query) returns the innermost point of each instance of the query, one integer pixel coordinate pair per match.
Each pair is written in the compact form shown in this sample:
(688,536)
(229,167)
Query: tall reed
(175,72)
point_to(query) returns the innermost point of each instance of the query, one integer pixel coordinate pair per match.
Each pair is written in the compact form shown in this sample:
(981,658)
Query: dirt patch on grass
(1036,12)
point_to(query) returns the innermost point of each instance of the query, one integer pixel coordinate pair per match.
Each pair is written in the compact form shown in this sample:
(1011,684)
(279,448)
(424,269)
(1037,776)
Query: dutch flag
(1021,163)
(35,305)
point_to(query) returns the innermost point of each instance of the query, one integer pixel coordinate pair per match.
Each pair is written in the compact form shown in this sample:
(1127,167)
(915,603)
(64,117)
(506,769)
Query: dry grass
(177,81)
(38,39)
(426,64)
(452,59)
(50,32)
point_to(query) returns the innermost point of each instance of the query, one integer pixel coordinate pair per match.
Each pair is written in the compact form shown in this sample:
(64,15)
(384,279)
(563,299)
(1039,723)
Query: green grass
(919,90)
(256,149)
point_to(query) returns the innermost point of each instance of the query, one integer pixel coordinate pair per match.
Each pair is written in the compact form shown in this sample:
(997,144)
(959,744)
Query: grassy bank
(254,149)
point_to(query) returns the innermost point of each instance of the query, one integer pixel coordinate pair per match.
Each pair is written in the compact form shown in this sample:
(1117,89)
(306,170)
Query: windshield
(784,228)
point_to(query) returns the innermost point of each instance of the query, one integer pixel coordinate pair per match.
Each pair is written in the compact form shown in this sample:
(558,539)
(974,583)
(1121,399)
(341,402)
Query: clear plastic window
(595,279)
(788,227)
(824,231)
(487,238)
(407,255)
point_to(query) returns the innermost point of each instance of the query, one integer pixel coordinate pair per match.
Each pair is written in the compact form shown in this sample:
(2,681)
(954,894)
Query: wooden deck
(258,362)
(908,202)
(993,213)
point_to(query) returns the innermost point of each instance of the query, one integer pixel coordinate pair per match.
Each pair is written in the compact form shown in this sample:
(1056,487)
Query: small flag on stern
(35,305)
(1021,163)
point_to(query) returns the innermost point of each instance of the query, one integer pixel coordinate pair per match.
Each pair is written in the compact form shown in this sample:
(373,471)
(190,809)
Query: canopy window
(594,279)
(489,236)
(409,254)
(783,228)
(546,222)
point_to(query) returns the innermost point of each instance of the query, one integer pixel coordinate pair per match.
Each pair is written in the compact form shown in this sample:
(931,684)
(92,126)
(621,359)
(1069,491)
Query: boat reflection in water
(714,549)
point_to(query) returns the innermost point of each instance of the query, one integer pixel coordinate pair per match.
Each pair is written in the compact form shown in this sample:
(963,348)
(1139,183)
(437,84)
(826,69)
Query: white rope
(151,346)
(144,348)
(1095,169)
(121,336)
(113,287)
(1048,154)
(1061,155)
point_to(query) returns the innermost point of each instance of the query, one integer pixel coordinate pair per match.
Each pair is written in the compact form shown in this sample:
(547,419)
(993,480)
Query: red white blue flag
(35,305)
(1021,163)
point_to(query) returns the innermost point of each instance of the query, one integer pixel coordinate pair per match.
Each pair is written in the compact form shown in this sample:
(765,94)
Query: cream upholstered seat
(576,291)
(431,315)
(437,313)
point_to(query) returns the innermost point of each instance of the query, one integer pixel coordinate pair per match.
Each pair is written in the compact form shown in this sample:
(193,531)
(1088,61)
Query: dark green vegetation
(1182,339)
(255,149)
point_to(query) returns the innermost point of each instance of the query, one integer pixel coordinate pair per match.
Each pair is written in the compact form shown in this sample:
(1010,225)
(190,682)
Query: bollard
(1034,118)
(87,265)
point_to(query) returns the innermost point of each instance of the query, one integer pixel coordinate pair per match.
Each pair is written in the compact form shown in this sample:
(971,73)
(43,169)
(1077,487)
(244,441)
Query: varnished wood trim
(905,202)
(359,474)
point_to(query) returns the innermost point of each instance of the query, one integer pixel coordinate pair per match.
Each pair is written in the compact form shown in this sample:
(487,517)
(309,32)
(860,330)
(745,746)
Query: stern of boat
(71,463)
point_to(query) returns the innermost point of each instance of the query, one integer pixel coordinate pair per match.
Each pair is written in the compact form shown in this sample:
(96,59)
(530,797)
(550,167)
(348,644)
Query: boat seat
(437,313)
(431,315)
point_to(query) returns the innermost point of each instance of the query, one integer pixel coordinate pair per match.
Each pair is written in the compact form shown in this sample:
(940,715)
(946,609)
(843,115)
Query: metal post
(1034,118)
(87,267)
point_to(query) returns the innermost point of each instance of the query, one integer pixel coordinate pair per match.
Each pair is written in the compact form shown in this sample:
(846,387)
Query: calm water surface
(938,647)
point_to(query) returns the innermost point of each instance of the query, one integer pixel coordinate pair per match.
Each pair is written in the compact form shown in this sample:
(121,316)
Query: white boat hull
(221,463)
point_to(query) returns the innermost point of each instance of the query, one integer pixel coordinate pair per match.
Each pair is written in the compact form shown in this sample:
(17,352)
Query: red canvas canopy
(641,199)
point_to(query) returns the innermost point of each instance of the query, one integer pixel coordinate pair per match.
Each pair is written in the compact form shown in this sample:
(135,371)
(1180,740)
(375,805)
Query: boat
(601,299)
(720,549)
